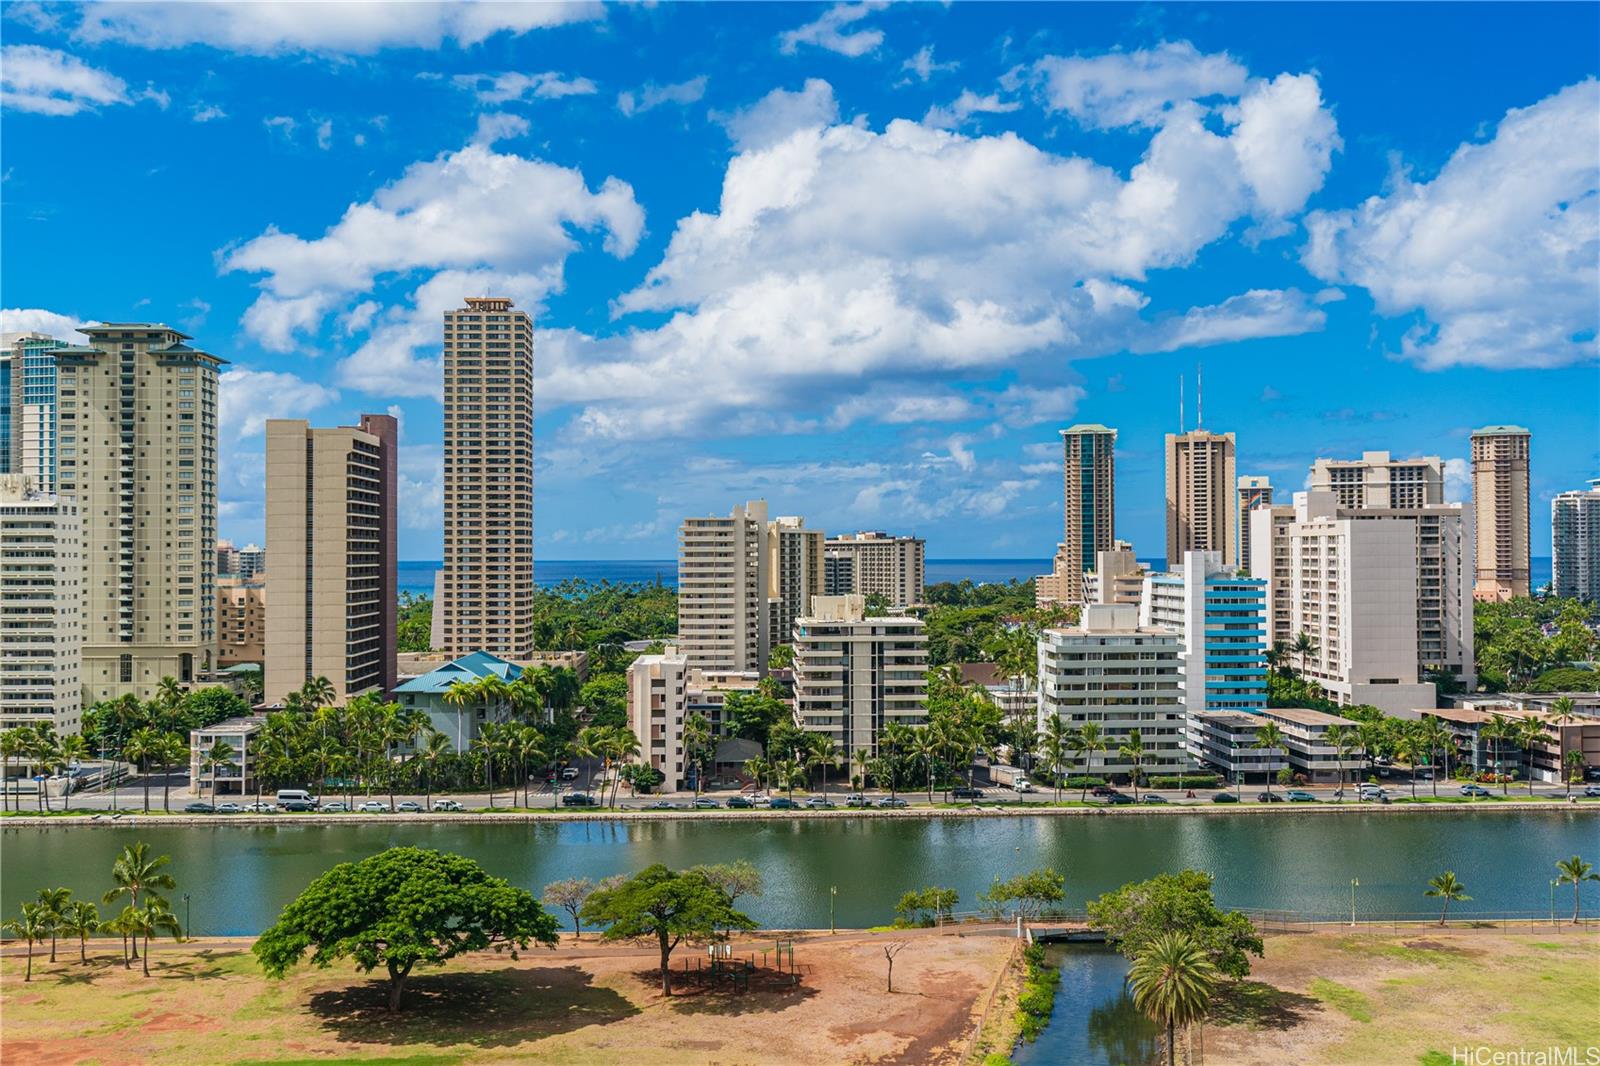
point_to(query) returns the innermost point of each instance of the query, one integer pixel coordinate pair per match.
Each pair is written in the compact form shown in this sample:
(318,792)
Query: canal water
(1094,1022)
(239,877)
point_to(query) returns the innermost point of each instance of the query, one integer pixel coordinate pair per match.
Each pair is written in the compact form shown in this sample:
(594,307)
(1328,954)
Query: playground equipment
(721,968)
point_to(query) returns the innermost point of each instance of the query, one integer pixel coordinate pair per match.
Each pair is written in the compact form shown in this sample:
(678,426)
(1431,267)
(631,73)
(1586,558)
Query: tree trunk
(1172,1045)
(166,787)
(83,949)
(1575,903)
(29,975)
(666,963)
(397,984)
(52,948)
(891,974)
(147,793)
(145,960)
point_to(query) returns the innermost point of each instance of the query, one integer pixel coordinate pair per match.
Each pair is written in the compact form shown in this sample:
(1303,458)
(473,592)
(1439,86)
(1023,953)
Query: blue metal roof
(471,667)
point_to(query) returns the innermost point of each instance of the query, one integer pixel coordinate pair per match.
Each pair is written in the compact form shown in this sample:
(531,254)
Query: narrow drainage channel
(1094,1022)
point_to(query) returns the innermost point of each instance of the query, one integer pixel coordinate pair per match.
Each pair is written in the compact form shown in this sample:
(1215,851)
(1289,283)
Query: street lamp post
(1552,901)
(188,934)
(833,894)
(1355,883)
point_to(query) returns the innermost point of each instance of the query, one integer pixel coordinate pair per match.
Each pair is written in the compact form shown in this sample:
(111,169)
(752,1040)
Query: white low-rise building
(233,776)
(1226,740)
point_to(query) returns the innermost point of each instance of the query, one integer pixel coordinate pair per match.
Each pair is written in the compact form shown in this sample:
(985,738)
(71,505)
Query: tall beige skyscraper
(1088,510)
(794,572)
(484,594)
(875,563)
(331,556)
(137,447)
(723,618)
(1500,499)
(1200,494)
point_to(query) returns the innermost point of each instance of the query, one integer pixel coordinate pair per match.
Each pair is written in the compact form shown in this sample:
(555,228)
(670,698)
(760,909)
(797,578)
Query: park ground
(1327,997)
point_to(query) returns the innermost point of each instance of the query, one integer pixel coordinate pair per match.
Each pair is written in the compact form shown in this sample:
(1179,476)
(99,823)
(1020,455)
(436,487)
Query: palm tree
(81,920)
(622,747)
(41,749)
(1085,741)
(1575,871)
(71,749)
(1276,656)
(489,744)
(1436,741)
(318,692)
(435,747)
(926,744)
(588,745)
(1408,746)
(1447,888)
(530,752)
(892,746)
(33,926)
(1574,761)
(217,756)
(168,694)
(13,743)
(1339,739)
(787,773)
(170,750)
(758,769)
(1269,737)
(1172,980)
(154,917)
(460,695)
(1563,712)
(1057,739)
(1133,750)
(141,747)
(135,873)
(56,902)
(1498,729)
(697,745)
(1304,646)
(820,754)
(1531,731)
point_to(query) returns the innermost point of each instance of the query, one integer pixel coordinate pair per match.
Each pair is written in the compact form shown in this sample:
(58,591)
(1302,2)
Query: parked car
(706,803)
(373,807)
(1269,797)
(1422,773)
(965,793)
(1153,797)
(1593,791)
(1470,789)
(1371,792)
(1224,797)
(1116,798)
(740,803)
(569,773)
(1295,795)
(260,808)
(229,808)
(1022,784)
(821,803)
(856,799)
(447,805)
(333,807)
(893,802)
(579,799)
(1101,790)
(199,808)
(782,803)
(661,805)
(408,807)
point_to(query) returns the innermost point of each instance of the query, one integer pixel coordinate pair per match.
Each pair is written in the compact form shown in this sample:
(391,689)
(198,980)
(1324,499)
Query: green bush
(1187,781)
(1081,782)
(1038,996)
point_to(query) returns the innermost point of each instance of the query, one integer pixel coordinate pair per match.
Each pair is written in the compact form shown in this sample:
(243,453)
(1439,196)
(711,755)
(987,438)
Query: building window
(186,667)
(125,668)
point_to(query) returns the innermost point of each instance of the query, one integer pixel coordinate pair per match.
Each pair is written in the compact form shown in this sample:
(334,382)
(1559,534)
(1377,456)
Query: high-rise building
(252,561)
(227,559)
(795,572)
(41,608)
(1376,480)
(1088,489)
(484,595)
(241,621)
(723,617)
(1200,494)
(1575,543)
(1500,500)
(1220,619)
(28,408)
(1270,560)
(331,556)
(855,674)
(1124,678)
(1254,491)
(137,447)
(1117,576)
(880,565)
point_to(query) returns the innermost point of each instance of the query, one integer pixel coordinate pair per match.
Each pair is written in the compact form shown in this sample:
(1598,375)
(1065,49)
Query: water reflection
(1094,1022)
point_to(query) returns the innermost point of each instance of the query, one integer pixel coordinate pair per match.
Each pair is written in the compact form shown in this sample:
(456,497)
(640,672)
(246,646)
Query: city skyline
(1300,276)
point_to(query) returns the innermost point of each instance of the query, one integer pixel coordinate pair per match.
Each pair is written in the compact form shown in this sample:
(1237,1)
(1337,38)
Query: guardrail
(1284,921)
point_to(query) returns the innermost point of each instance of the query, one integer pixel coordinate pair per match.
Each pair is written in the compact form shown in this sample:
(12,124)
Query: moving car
(1022,784)
(373,807)
(857,799)
(333,807)
(579,799)
(1295,795)
(661,805)
(1471,789)
(781,803)
(965,793)
(1268,797)
(199,808)
(706,803)
(569,774)
(408,807)
(1151,797)
(740,803)
(299,797)
(1101,790)
(447,805)
(1224,797)
(229,808)
(893,802)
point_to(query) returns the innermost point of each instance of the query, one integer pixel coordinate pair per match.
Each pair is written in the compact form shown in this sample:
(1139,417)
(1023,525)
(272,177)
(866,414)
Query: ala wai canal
(239,877)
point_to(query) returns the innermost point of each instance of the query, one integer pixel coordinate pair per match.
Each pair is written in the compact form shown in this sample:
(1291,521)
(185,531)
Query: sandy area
(583,1003)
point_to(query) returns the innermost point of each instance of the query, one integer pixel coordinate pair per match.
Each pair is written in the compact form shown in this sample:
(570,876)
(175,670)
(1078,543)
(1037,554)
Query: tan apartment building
(483,596)
(1376,480)
(1500,501)
(1271,560)
(873,563)
(137,448)
(41,608)
(1254,491)
(1201,483)
(331,556)
(1089,496)
(795,572)
(853,674)
(723,618)
(1117,576)
(241,621)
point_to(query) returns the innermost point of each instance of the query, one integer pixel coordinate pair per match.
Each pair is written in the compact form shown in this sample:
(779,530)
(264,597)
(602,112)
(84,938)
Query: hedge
(1186,781)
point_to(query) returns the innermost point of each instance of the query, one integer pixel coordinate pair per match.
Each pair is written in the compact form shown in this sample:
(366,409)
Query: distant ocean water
(416,575)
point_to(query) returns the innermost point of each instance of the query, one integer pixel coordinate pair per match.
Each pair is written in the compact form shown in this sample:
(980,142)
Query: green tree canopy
(401,907)
(668,905)
(1029,893)
(1136,914)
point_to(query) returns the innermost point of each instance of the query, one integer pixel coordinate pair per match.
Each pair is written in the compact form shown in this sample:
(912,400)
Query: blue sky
(862,260)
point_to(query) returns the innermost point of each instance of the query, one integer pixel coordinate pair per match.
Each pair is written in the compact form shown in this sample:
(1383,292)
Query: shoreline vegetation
(103,818)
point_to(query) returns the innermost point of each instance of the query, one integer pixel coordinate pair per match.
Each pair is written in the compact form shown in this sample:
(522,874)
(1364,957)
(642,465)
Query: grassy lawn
(1330,998)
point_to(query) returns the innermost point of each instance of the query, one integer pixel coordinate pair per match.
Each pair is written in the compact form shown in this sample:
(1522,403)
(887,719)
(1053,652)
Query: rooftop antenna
(1180,404)
(1199,399)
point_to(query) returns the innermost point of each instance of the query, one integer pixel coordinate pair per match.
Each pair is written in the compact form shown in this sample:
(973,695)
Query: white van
(296,799)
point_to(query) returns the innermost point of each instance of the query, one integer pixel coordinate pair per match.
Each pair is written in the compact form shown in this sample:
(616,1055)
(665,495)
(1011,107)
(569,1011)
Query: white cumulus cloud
(835,30)
(514,85)
(651,96)
(1139,87)
(780,113)
(39,320)
(48,82)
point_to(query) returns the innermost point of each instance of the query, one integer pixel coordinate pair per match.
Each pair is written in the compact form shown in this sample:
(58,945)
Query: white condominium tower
(723,617)
(41,608)
(1254,491)
(1376,480)
(137,447)
(1575,543)
(28,408)
(1500,498)
(1200,495)
(794,572)
(484,595)
(855,674)
(1088,512)
(877,564)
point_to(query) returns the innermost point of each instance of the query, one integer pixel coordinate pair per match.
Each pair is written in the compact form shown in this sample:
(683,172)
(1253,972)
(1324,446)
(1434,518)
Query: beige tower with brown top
(1500,499)
(1200,495)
